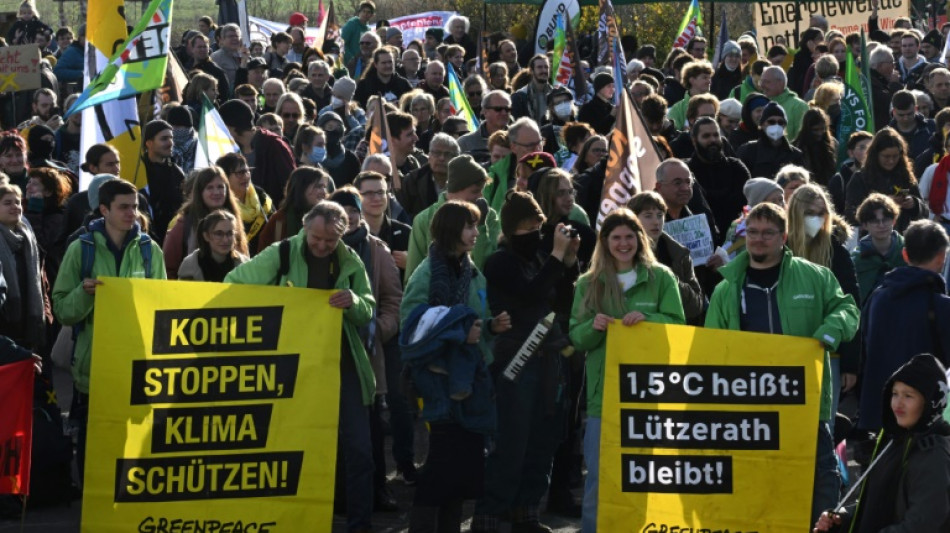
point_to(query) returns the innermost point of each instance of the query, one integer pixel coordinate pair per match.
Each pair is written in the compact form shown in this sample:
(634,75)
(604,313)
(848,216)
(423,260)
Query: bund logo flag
(16,426)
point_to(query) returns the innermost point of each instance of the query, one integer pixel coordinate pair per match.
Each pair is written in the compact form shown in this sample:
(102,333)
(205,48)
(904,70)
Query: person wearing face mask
(184,136)
(771,150)
(531,410)
(341,103)
(340,163)
(748,129)
(560,111)
(728,75)
(600,112)
(721,178)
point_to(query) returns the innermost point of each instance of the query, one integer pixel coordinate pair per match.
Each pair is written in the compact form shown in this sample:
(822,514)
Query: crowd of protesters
(447,252)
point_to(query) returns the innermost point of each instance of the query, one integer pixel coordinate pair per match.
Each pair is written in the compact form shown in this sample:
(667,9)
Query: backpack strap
(87,246)
(284,253)
(145,247)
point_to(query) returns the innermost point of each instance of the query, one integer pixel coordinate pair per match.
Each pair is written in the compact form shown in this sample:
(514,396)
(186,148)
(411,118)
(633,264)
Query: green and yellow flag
(855,103)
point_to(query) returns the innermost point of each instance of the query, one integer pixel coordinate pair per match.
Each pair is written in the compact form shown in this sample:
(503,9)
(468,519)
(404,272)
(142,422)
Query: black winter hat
(772,110)
(926,374)
(519,206)
(155,127)
(934,38)
(237,114)
(602,80)
(180,117)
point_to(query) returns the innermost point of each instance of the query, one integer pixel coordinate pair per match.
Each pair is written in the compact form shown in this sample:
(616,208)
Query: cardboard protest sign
(773,19)
(212,406)
(707,430)
(19,68)
(692,232)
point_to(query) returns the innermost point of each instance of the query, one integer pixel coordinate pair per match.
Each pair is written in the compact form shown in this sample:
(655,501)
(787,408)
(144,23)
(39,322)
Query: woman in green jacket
(625,283)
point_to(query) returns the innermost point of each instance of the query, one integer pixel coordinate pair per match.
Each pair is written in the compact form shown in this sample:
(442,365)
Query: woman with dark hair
(804,58)
(100,159)
(201,85)
(24,311)
(889,171)
(13,158)
(252,201)
(818,146)
(907,490)
(748,129)
(306,187)
(625,283)
(46,194)
(451,377)
(593,150)
(217,253)
(210,190)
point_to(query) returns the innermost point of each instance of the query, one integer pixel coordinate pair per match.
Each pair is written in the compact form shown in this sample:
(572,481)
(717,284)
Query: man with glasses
(496,109)
(767,290)
(355,28)
(290,109)
(368,43)
(524,137)
(677,186)
(774,84)
(531,100)
(382,80)
(771,150)
(228,56)
(422,187)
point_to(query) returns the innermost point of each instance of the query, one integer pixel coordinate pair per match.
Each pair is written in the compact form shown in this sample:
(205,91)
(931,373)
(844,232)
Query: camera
(569,231)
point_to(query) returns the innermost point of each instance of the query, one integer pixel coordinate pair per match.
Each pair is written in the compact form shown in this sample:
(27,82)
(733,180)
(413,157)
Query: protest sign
(693,233)
(213,407)
(19,68)
(414,26)
(773,19)
(707,430)
(16,426)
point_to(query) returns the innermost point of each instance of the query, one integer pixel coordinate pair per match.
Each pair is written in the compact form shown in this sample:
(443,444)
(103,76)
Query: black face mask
(526,244)
(834,111)
(334,146)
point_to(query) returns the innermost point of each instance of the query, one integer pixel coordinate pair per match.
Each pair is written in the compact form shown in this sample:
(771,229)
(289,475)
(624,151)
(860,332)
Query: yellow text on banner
(707,430)
(214,407)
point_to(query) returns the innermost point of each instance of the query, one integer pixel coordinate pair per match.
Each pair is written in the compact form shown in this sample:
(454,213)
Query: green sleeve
(487,241)
(670,309)
(158,262)
(71,304)
(260,270)
(361,312)
(840,312)
(415,294)
(582,332)
(418,246)
(716,313)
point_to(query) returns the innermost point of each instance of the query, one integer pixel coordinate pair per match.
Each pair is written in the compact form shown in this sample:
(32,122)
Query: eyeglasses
(881,221)
(499,109)
(561,193)
(242,171)
(767,234)
(771,122)
(290,115)
(532,144)
(373,194)
(222,235)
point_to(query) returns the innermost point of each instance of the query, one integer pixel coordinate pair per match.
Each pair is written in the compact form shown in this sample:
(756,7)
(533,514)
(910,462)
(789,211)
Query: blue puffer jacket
(443,365)
(69,67)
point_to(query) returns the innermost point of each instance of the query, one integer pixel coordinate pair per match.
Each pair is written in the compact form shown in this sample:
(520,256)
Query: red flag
(631,167)
(16,426)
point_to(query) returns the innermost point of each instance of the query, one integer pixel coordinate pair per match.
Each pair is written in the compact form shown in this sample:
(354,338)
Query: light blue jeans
(592,459)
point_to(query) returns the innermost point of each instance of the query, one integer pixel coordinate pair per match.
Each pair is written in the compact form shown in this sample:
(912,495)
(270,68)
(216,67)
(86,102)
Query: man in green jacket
(114,246)
(317,259)
(774,83)
(466,181)
(525,137)
(767,290)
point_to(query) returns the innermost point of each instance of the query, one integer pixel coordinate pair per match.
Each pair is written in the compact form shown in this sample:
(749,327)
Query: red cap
(298,19)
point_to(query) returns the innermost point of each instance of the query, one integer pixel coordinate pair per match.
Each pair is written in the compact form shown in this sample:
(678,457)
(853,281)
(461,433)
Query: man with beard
(531,100)
(44,112)
(382,80)
(768,290)
(67,139)
(719,177)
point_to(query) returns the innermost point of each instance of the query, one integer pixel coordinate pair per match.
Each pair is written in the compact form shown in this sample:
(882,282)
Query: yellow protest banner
(213,407)
(707,430)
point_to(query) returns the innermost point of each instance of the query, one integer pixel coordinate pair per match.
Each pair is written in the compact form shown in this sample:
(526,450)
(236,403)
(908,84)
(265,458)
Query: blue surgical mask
(318,154)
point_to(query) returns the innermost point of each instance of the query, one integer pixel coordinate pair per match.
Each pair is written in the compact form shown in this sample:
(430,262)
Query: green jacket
(578,215)
(417,293)
(655,294)
(740,92)
(870,266)
(795,109)
(500,174)
(72,305)
(810,301)
(488,234)
(262,269)
(677,113)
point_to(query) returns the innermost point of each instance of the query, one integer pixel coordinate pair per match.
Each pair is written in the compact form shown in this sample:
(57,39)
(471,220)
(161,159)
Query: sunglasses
(499,109)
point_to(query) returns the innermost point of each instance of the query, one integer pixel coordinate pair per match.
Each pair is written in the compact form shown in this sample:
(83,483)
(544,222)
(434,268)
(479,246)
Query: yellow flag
(115,123)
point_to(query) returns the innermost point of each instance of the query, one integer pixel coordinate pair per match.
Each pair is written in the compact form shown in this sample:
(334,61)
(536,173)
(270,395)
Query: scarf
(183,152)
(938,189)
(448,282)
(212,270)
(875,508)
(22,239)
(252,213)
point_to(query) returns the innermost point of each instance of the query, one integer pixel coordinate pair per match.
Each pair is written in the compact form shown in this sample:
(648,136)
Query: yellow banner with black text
(214,407)
(707,430)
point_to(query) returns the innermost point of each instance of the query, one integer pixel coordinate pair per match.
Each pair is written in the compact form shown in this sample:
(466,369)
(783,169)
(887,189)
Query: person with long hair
(460,410)
(306,187)
(210,190)
(624,285)
(818,146)
(13,158)
(23,315)
(889,171)
(907,490)
(593,150)
(217,252)
(255,205)
(818,234)
(46,194)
